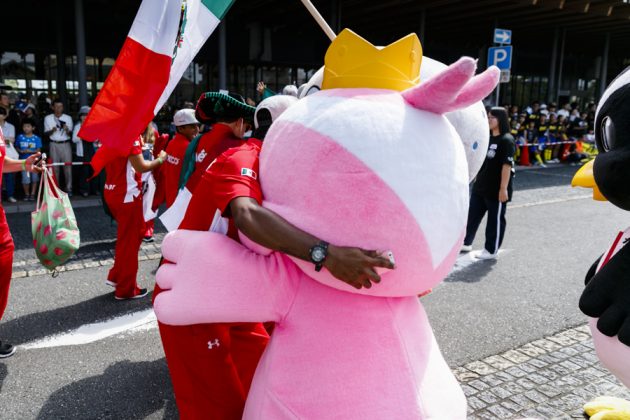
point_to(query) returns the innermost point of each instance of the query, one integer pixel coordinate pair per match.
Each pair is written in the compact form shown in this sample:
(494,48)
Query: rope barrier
(68,163)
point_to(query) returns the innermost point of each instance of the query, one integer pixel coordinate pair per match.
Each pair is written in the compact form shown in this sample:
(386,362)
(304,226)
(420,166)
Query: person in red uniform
(123,195)
(8,165)
(187,128)
(229,114)
(212,365)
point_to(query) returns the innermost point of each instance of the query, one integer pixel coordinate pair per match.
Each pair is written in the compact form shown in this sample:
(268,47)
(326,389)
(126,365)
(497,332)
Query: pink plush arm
(213,278)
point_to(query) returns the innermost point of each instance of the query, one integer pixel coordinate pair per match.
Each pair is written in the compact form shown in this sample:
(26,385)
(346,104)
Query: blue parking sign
(500,57)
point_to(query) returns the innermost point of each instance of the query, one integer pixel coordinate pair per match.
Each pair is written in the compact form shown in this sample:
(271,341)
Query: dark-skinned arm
(353,266)
(142,166)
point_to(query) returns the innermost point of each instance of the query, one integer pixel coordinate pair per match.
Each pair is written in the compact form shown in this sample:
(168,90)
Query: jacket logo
(172,160)
(211,343)
(250,173)
(201,156)
(110,187)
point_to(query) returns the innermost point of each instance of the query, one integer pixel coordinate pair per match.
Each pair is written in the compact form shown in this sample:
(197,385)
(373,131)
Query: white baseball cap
(185,117)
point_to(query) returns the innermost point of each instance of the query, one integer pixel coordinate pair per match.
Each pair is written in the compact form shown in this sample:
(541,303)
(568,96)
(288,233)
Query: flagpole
(319,19)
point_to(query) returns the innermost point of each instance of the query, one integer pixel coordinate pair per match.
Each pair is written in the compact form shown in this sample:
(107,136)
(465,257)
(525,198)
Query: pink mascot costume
(369,161)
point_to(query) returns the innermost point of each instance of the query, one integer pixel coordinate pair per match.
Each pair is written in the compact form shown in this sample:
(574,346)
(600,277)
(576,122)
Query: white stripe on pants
(62,152)
(497,242)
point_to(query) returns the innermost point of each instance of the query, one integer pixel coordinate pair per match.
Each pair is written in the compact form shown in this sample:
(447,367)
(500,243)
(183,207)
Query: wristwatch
(318,254)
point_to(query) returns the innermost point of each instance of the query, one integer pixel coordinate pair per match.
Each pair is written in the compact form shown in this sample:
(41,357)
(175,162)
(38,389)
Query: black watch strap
(318,254)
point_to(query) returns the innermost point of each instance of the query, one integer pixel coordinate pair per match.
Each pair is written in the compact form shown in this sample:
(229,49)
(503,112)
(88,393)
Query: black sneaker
(141,293)
(6,350)
(148,239)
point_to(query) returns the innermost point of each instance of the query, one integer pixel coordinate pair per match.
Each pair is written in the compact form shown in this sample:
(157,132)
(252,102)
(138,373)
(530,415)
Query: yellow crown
(353,62)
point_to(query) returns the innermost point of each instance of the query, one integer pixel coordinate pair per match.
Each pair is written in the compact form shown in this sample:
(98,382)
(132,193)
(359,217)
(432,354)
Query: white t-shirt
(77,140)
(51,122)
(9,131)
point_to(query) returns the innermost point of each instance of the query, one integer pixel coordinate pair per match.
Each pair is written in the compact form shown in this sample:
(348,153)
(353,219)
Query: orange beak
(584,178)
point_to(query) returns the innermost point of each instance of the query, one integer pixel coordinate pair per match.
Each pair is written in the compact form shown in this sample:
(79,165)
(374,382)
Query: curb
(28,207)
(73,266)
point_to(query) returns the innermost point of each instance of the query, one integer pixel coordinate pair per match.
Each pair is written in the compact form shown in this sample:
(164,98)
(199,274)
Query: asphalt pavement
(83,355)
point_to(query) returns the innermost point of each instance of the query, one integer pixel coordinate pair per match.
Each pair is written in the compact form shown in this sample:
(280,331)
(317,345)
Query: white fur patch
(621,80)
(417,153)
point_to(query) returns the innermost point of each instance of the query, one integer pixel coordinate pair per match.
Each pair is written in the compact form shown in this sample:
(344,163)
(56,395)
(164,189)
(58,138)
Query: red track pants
(131,228)
(6,261)
(212,366)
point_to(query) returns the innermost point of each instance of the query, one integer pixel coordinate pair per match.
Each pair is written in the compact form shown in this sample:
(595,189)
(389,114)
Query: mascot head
(372,161)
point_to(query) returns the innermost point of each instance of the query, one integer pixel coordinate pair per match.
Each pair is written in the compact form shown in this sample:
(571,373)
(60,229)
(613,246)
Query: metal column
(61,57)
(604,72)
(551,88)
(222,55)
(335,16)
(423,18)
(561,63)
(80,34)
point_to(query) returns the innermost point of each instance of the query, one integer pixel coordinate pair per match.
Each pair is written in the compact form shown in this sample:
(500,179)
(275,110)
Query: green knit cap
(213,106)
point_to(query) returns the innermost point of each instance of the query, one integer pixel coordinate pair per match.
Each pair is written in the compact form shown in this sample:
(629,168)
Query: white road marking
(137,321)
(553,201)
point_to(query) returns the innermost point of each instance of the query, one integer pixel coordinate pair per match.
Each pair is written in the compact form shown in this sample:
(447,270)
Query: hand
(35,163)
(503,196)
(355,266)
(162,155)
(261,87)
(607,297)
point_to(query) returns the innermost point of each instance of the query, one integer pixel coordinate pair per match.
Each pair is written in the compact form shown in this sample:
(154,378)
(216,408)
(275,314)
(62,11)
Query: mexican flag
(163,40)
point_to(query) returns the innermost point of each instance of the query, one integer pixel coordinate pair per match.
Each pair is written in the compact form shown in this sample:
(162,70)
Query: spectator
(531,136)
(554,139)
(544,110)
(58,127)
(9,136)
(9,165)
(30,112)
(535,111)
(575,157)
(28,144)
(492,188)
(578,126)
(13,116)
(565,111)
(84,151)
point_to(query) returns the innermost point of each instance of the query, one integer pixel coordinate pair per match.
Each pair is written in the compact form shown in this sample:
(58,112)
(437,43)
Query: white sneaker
(485,255)
(12,200)
(466,248)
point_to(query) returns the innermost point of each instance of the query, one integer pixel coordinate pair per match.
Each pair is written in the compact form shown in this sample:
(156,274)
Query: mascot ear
(454,88)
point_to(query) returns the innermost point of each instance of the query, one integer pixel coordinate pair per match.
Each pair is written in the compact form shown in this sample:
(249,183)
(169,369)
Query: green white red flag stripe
(163,40)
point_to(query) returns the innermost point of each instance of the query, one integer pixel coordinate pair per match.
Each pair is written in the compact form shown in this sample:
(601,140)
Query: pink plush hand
(212,278)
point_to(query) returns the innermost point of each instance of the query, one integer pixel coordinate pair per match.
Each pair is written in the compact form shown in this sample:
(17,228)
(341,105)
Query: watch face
(318,254)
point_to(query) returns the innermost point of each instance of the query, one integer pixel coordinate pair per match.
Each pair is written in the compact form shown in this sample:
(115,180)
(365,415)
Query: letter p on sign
(500,57)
